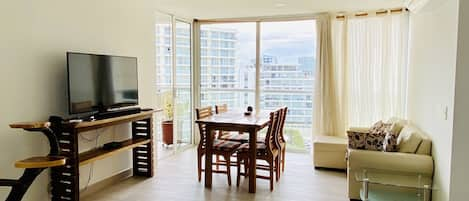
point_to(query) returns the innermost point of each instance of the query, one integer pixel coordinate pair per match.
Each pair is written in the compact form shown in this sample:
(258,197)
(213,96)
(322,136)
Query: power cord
(91,170)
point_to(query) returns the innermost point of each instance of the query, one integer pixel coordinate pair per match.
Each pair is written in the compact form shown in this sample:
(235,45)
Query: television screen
(101,82)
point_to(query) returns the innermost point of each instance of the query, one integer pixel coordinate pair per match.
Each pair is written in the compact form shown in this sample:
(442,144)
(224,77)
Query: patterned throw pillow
(356,140)
(380,127)
(375,139)
(390,141)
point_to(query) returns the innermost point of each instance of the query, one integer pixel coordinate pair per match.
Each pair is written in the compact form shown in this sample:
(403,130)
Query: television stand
(65,180)
(116,113)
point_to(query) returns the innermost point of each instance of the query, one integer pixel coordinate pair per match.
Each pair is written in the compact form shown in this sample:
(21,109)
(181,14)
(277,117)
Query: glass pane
(227,70)
(164,69)
(163,53)
(182,117)
(288,61)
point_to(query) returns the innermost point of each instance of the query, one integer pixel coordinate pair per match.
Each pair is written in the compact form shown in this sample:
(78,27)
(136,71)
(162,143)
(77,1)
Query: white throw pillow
(409,140)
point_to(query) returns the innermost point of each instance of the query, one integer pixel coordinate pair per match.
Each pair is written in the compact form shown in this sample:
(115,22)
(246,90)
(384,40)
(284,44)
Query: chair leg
(277,168)
(246,167)
(228,167)
(283,159)
(217,162)
(271,170)
(238,165)
(199,166)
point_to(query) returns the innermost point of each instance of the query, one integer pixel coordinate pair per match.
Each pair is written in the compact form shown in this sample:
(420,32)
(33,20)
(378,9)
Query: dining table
(234,121)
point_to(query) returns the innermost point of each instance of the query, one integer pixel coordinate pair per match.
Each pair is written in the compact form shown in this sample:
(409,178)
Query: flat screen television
(97,83)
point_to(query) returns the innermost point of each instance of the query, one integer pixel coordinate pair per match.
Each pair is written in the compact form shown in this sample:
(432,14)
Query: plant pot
(167,127)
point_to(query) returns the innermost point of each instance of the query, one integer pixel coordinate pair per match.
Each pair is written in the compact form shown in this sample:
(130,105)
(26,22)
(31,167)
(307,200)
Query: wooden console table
(65,179)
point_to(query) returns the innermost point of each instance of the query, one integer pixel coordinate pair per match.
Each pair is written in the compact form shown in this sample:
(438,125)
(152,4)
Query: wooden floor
(176,179)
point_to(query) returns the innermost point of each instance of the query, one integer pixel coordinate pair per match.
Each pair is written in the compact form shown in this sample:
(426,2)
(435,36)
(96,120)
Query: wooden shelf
(91,125)
(30,125)
(41,162)
(97,154)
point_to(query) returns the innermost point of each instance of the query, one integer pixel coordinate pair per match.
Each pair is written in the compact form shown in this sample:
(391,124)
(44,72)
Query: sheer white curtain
(377,54)
(362,71)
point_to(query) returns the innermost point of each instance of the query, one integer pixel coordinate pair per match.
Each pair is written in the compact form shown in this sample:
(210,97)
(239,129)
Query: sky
(285,40)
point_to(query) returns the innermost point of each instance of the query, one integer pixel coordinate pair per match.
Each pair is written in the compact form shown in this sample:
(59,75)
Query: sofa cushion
(375,138)
(409,139)
(330,143)
(379,128)
(356,140)
(425,147)
(397,124)
(374,141)
(329,152)
(390,141)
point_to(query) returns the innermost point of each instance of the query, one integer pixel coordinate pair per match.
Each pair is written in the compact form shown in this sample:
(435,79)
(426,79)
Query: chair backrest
(203,113)
(282,124)
(272,131)
(221,108)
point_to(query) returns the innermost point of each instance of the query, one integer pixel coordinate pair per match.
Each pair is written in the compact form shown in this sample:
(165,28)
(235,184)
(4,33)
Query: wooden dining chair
(267,151)
(220,147)
(221,108)
(281,139)
(230,136)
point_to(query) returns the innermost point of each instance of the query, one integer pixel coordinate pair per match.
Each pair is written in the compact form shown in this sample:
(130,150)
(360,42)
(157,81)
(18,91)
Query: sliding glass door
(287,61)
(173,70)
(183,90)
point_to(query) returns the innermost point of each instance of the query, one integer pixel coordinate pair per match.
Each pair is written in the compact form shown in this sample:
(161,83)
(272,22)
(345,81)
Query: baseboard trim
(92,189)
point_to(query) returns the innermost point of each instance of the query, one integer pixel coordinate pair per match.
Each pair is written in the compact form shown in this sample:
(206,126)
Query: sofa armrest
(358,129)
(392,161)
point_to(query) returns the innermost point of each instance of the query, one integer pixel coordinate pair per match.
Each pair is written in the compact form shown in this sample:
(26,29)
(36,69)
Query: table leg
(426,192)
(252,160)
(208,157)
(365,189)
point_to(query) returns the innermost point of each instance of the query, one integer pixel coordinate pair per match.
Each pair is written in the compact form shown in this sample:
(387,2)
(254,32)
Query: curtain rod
(262,18)
(377,13)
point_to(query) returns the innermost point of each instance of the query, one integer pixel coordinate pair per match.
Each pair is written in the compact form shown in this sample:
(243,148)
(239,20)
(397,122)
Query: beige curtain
(328,112)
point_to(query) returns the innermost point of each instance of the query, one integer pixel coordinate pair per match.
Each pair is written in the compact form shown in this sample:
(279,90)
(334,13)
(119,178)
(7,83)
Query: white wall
(34,36)
(432,67)
(460,161)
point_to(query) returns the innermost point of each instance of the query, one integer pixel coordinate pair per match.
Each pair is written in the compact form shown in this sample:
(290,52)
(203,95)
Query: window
(287,64)
(224,67)
(288,51)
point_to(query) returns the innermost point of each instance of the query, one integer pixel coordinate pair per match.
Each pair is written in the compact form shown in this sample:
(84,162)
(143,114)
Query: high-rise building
(307,64)
(219,67)
(163,56)
(287,85)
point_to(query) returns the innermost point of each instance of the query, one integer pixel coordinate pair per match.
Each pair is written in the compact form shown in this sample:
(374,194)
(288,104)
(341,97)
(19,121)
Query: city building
(219,67)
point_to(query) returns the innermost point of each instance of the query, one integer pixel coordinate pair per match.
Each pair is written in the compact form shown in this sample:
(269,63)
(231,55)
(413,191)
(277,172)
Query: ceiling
(215,9)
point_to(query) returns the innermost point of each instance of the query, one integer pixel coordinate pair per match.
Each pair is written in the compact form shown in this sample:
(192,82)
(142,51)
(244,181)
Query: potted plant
(167,124)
